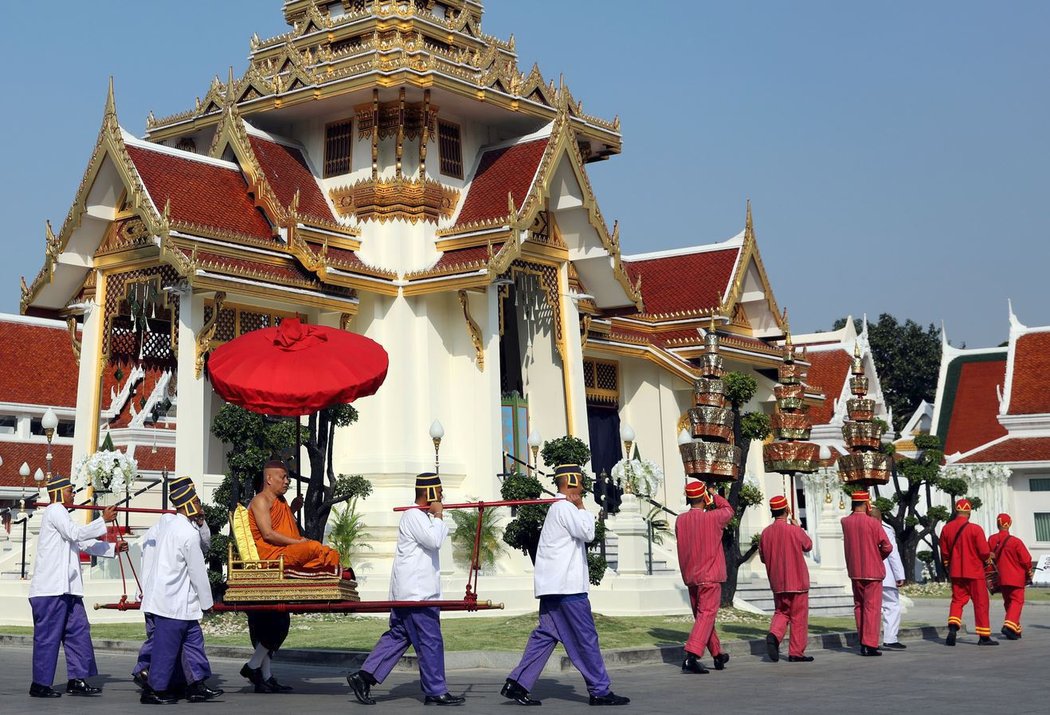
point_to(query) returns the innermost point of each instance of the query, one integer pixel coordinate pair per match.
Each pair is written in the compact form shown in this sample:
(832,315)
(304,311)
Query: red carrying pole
(483,504)
(353,606)
(120,509)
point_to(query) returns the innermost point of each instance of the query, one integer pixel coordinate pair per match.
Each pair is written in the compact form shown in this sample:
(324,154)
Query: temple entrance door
(603,423)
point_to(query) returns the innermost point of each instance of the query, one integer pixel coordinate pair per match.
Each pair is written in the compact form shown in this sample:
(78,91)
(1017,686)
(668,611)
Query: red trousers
(704,600)
(793,609)
(1013,599)
(963,591)
(867,610)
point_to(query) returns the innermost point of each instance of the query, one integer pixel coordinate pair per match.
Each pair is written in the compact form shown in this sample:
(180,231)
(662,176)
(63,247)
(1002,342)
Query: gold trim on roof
(473,329)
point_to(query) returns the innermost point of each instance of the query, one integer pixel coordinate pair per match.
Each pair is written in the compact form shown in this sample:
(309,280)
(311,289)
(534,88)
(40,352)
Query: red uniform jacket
(866,547)
(968,558)
(699,534)
(781,549)
(1014,561)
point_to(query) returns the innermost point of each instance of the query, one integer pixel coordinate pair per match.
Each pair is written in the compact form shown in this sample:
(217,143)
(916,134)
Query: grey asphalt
(927,676)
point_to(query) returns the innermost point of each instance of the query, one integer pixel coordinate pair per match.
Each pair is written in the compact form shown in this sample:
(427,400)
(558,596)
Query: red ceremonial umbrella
(295,369)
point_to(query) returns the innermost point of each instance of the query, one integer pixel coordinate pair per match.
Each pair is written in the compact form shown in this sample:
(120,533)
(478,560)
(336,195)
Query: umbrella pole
(298,457)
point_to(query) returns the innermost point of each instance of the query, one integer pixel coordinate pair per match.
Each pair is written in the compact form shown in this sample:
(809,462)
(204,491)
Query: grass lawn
(944,590)
(328,632)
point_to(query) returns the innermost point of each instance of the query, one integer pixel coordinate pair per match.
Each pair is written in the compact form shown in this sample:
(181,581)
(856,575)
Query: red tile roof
(973,420)
(35,455)
(149,462)
(461,259)
(501,171)
(38,366)
(1028,390)
(202,193)
(1034,449)
(287,172)
(689,282)
(828,370)
(288,271)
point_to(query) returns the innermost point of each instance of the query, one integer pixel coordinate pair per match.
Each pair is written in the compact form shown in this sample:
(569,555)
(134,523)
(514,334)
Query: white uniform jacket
(894,567)
(56,569)
(561,558)
(416,575)
(176,581)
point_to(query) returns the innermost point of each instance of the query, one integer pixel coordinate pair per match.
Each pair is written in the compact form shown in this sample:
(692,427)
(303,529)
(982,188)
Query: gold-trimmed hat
(431,482)
(57,483)
(182,493)
(572,473)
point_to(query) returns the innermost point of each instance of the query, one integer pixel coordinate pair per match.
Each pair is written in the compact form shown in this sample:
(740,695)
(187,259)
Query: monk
(275,531)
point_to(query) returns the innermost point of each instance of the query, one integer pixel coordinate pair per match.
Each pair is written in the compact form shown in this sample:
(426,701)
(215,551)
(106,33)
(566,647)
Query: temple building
(385,167)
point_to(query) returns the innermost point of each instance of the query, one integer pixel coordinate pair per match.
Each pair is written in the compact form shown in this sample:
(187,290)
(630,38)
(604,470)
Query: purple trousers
(178,650)
(61,620)
(420,628)
(566,619)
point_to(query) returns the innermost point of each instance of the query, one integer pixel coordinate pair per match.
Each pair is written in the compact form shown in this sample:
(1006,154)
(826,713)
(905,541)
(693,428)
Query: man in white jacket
(416,576)
(56,593)
(891,595)
(176,593)
(562,581)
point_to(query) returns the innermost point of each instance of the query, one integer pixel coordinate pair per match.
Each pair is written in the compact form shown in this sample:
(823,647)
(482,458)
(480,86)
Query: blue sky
(896,154)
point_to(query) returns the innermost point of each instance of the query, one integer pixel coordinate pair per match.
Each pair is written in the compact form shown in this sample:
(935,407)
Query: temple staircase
(824,600)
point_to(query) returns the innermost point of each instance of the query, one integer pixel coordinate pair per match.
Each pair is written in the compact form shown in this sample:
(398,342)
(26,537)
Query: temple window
(8,424)
(1039,484)
(1042,526)
(338,146)
(450,147)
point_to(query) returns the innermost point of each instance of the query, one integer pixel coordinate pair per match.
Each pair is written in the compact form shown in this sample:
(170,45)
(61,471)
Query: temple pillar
(193,425)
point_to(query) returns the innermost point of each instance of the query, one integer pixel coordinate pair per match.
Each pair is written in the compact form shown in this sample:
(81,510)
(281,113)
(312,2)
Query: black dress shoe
(276,687)
(79,686)
(253,675)
(446,699)
(515,691)
(361,687)
(141,678)
(720,661)
(896,645)
(869,651)
(800,659)
(150,697)
(1010,634)
(983,640)
(692,665)
(36,690)
(950,639)
(609,698)
(199,692)
(772,647)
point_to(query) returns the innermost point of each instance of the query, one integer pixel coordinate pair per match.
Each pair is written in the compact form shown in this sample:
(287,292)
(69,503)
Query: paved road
(928,677)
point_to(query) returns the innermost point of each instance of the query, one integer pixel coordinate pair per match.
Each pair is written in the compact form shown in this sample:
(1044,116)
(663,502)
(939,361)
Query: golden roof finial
(111,102)
(229,88)
(749,226)
(856,349)
(711,325)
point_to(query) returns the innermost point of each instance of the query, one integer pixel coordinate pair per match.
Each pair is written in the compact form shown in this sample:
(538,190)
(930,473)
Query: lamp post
(50,423)
(24,472)
(825,455)
(627,437)
(534,447)
(436,433)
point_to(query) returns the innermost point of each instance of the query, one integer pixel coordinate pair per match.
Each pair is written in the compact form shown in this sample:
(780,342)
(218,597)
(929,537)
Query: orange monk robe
(306,555)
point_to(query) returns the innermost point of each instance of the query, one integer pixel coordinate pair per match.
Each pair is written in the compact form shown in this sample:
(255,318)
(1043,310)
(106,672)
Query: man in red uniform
(703,566)
(866,548)
(964,552)
(781,549)
(1015,572)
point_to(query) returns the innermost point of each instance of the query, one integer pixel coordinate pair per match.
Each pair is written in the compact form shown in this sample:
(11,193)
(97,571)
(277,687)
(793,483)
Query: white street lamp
(627,436)
(534,446)
(436,433)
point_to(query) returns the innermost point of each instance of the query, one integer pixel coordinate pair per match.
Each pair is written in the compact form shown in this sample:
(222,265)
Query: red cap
(1004,521)
(862,495)
(778,502)
(963,505)
(695,490)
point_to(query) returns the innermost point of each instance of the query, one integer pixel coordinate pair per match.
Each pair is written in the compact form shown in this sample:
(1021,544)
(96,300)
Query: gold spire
(749,225)
(111,102)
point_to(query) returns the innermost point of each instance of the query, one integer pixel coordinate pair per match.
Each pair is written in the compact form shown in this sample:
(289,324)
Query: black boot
(772,647)
(609,698)
(141,678)
(515,691)
(692,665)
(869,651)
(720,661)
(986,640)
(36,690)
(151,697)
(276,687)
(952,631)
(199,692)
(1010,634)
(79,686)
(446,699)
(361,683)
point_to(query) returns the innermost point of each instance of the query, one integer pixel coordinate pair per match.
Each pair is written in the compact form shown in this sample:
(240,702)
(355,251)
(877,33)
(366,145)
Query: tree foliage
(349,535)
(463,536)
(565,450)
(908,358)
(747,426)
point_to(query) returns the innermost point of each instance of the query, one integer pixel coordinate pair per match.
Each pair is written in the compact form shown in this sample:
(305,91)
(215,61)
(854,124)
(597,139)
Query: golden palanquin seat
(252,579)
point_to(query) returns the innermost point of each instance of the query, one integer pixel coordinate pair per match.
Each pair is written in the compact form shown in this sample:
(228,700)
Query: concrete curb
(507,660)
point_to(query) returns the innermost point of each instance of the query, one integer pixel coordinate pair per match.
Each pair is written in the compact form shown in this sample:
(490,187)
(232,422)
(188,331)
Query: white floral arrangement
(106,471)
(977,475)
(642,476)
